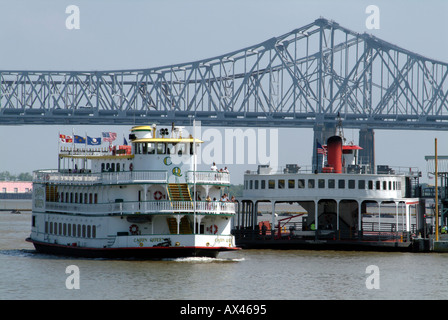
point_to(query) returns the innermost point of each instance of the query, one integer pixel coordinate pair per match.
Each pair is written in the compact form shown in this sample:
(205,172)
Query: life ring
(158,195)
(133,229)
(210,229)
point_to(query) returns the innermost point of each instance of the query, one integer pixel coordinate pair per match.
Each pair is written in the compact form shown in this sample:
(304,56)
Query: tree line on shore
(7,176)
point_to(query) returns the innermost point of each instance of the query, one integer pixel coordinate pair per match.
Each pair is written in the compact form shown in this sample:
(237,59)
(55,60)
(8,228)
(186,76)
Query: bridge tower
(367,143)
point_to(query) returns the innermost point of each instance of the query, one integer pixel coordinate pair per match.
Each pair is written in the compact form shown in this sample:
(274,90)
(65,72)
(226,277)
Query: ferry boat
(145,200)
(344,204)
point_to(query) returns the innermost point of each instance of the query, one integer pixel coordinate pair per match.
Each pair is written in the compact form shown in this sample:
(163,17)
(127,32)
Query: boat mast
(194,176)
(437,193)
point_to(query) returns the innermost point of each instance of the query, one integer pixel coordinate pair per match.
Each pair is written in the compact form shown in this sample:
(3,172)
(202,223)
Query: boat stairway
(179,192)
(184,227)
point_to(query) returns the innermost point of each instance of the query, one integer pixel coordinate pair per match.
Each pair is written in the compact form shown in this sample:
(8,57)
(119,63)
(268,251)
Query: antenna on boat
(339,128)
(194,176)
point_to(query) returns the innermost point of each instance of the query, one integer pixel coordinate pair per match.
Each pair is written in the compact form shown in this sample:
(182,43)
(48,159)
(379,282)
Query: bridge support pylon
(367,154)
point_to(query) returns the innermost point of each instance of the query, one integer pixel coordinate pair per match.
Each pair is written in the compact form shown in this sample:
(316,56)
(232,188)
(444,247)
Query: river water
(242,275)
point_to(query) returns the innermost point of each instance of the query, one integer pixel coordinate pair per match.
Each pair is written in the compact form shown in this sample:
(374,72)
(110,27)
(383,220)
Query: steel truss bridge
(307,77)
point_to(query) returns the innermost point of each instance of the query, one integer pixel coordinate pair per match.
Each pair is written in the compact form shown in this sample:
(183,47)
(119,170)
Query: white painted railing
(142,207)
(54,176)
(208,177)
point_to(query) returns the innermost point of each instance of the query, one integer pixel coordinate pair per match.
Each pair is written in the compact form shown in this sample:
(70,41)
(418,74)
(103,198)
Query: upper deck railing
(144,207)
(208,177)
(70,178)
(388,170)
(117,177)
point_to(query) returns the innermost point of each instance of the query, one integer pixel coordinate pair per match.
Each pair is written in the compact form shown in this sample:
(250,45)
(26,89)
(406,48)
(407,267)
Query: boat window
(65,229)
(321,183)
(79,230)
(83,230)
(281,184)
(251,183)
(150,148)
(181,149)
(331,183)
(378,185)
(263,184)
(137,148)
(384,185)
(51,227)
(144,148)
(246,184)
(341,184)
(370,185)
(291,184)
(351,184)
(161,148)
(93,231)
(390,185)
(301,183)
(89,231)
(311,183)
(69,229)
(46,226)
(256,184)
(74,230)
(395,185)
(170,148)
(271,184)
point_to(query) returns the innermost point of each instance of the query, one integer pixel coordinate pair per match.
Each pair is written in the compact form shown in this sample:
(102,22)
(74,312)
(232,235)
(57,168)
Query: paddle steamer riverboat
(145,200)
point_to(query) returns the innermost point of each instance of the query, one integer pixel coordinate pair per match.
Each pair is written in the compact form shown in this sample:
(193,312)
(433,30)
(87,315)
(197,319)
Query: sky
(134,34)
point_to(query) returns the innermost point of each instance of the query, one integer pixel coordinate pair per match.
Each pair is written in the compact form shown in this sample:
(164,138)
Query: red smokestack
(334,157)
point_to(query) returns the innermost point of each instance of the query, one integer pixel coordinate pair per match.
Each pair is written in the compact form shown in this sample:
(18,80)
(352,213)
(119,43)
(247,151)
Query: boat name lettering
(157,239)
(140,240)
(223,240)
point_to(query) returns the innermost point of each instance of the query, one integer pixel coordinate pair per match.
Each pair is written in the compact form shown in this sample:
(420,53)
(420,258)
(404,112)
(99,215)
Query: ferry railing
(144,207)
(297,230)
(208,177)
(88,178)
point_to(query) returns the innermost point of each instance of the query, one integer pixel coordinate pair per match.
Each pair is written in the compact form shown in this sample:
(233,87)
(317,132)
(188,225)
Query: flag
(65,139)
(109,136)
(125,142)
(93,141)
(320,149)
(79,139)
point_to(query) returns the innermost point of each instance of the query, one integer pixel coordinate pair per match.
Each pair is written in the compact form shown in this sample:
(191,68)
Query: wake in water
(18,252)
(205,260)
(29,253)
